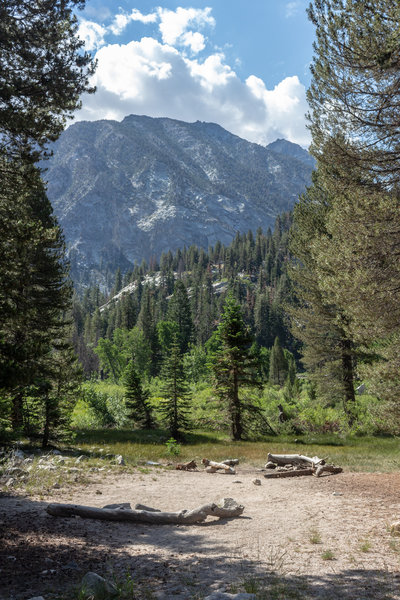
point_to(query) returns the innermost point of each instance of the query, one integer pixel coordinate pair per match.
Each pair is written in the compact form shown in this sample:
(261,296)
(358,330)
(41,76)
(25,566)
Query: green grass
(366,454)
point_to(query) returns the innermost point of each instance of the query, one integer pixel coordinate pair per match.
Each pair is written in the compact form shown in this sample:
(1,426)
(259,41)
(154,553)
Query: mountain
(127,191)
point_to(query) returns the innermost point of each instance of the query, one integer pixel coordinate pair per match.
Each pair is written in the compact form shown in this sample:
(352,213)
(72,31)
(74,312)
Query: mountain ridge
(127,191)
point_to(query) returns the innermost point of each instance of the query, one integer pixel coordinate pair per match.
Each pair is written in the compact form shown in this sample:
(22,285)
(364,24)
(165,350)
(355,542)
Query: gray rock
(138,163)
(119,460)
(225,596)
(257,481)
(81,458)
(16,472)
(96,587)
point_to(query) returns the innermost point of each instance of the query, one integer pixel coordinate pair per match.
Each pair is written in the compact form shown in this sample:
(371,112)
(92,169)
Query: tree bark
(298,473)
(228,508)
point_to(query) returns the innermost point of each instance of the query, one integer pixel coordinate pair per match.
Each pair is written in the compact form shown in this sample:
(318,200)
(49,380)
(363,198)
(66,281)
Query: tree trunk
(17,419)
(348,381)
(46,429)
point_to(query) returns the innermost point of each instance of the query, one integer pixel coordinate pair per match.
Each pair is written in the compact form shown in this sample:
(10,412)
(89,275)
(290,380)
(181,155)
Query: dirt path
(298,538)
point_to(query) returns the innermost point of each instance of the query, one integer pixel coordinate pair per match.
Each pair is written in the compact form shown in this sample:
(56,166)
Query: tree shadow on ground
(44,555)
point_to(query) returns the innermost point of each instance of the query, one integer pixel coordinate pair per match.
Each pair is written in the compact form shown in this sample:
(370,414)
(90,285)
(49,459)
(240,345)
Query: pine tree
(234,366)
(179,311)
(329,351)
(42,62)
(278,366)
(175,405)
(43,71)
(136,398)
(355,93)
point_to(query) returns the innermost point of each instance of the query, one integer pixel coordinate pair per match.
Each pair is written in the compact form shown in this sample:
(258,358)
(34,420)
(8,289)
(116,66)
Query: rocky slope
(129,190)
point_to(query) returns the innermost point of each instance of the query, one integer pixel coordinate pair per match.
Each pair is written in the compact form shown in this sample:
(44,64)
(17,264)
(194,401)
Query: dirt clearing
(297,538)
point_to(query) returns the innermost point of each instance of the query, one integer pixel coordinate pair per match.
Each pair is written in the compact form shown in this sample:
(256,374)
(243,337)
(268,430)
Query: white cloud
(123,19)
(176,26)
(92,34)
(147,77)
(292,9)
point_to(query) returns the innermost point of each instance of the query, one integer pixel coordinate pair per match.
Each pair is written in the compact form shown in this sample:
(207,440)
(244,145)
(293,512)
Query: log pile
(296,465)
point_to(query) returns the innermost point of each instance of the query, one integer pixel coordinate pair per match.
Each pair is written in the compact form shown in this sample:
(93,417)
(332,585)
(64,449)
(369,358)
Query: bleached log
(227,508)
(216,466)
(294,459)
(231,462)
(293,473)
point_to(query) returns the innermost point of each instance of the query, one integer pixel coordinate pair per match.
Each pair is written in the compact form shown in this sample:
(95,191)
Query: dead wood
(292,473)
(231,462)
(294,459)
(189,466)
(212,466)
(227,508)
(327,469)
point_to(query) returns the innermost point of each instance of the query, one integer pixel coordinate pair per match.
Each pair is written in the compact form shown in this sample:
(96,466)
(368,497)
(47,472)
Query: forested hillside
(185,294)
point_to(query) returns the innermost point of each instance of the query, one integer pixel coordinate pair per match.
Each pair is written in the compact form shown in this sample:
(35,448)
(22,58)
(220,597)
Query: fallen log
(227,508)
(213,467)
(293,473)
(327,469)
(294,459)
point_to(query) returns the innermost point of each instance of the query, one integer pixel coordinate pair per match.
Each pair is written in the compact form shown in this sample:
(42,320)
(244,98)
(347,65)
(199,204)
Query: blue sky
(241,63)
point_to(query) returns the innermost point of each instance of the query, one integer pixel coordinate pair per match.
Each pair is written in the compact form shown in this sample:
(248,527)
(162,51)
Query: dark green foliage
(278,366)
(234,366)
(42,73)
(175,405)
(136,398)
(193,303)
(355,93)
(179,312)
(328,351)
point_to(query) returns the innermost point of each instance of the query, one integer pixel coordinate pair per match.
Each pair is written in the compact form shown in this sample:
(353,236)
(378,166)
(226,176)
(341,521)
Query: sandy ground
(271,547)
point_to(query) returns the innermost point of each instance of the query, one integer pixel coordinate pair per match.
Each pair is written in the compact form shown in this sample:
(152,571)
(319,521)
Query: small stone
(119,460)
(96,587)
(98,492)
(337,494)
(56,486)
(10,482)
(81,458)
(257,481)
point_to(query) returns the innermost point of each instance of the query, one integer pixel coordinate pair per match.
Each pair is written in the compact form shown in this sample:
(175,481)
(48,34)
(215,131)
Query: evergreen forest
(293,331)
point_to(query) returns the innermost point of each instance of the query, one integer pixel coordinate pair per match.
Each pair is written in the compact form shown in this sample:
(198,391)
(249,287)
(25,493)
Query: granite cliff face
(127,191)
